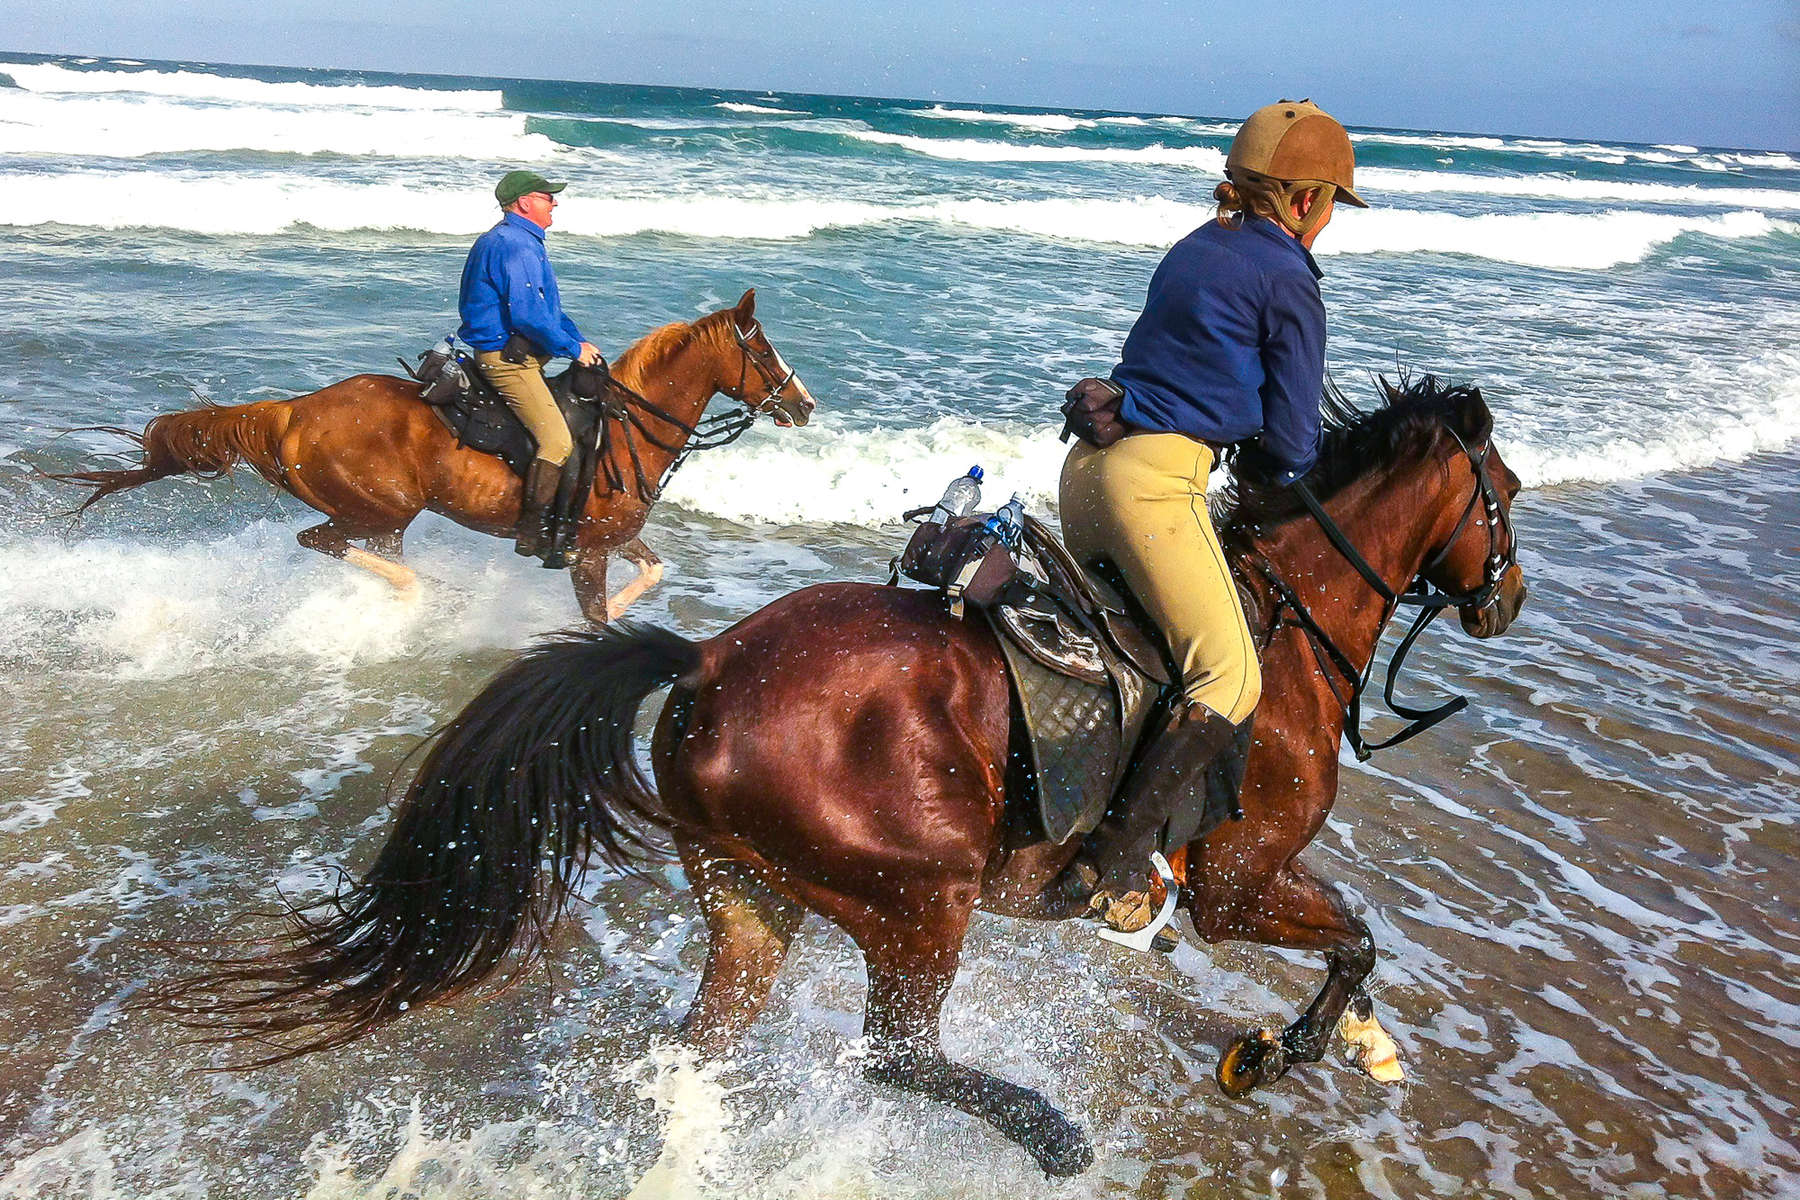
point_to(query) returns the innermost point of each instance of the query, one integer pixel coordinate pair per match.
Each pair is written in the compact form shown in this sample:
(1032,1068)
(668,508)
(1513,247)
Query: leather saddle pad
(1086,679)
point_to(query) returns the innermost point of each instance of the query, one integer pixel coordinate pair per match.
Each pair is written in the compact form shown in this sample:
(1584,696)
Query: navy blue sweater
(1231,344)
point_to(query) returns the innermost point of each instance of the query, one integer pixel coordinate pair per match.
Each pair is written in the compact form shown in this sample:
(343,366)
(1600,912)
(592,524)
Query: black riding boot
(1197,757)
(533,531)
(560,538)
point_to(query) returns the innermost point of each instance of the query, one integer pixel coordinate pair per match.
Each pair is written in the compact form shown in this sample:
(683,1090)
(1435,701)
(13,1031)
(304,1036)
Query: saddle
(481,419)
(1087,670)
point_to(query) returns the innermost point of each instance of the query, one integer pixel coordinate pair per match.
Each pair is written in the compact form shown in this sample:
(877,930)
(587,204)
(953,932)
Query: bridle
(1431,600)
(777,383)
(720,429)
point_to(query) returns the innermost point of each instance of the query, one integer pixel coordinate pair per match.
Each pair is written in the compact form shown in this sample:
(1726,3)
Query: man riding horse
(512,315)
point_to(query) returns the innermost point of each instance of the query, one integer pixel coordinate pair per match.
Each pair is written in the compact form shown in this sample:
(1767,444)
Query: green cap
(523,183)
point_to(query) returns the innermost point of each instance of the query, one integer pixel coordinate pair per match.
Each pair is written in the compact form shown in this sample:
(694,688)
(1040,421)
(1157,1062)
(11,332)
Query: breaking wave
(198,85)
(272,203)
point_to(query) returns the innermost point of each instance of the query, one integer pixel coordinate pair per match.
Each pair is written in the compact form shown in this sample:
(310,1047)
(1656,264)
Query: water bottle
(1008,522)
(960,498)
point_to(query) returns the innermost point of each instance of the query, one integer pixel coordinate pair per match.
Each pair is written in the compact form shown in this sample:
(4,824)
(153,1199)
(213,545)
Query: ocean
(1582,889)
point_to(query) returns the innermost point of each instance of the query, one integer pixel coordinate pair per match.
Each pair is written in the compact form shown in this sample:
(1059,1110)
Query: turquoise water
(1581,890)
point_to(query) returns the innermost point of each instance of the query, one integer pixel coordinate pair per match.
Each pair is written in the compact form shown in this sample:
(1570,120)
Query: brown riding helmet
(1301,145)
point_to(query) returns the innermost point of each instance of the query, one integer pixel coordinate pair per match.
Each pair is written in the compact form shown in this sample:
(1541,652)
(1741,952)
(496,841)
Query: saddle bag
(442,374)
(964,559)
(1091,412)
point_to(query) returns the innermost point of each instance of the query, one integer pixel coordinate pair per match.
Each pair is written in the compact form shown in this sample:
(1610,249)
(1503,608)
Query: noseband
(1421,593)
(751,358)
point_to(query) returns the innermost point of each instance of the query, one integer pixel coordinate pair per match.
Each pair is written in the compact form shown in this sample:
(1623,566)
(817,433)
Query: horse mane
(653,347)
(1356,442)
(658,345)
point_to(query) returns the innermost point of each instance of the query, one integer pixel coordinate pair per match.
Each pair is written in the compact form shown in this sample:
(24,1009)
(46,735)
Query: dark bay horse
(371,456)
(846,750)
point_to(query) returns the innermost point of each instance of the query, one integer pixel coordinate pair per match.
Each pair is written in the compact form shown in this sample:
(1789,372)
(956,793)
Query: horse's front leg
(1299,911)
(588,574)
(650,572)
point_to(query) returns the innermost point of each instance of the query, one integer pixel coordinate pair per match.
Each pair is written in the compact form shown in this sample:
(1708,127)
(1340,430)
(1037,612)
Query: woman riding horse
(1230,347)
(850,750)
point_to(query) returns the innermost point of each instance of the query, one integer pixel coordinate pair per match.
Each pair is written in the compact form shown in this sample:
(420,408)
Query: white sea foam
(868,478)
(1565,241)
(120,127)
(269,203)
(1197,158)
(761,109)
(200,85)
(1049,122)
(1614,154)
(1750,410)
(1769,161)
(1377,179)
(148,611)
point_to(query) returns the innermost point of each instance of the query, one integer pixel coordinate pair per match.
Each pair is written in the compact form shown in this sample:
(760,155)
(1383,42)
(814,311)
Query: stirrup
(1142,939)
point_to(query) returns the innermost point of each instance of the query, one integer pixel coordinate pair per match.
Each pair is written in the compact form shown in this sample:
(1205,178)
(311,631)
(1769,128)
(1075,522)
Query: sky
(1726,73)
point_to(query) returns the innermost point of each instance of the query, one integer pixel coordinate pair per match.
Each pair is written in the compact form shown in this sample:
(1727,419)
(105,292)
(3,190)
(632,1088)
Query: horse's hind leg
(329,539)
(749,928)
(912,959)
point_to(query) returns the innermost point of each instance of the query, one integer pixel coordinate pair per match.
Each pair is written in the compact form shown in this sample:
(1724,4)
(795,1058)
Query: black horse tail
(534,776)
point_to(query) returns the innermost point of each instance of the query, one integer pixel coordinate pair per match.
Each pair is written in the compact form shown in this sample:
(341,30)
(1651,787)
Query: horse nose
(800,407)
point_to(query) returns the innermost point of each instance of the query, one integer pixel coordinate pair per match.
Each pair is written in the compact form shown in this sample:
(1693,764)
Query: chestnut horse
(371,456)
(846,750)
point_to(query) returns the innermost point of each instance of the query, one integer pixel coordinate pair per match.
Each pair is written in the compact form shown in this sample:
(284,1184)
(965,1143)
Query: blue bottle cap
(975,473)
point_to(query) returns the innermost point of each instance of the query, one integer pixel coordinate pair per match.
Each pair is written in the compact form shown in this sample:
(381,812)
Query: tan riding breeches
(523,387)
(1141,502)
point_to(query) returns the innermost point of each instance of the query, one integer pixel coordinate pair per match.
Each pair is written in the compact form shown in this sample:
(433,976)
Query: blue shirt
(508,287)
(1231,344)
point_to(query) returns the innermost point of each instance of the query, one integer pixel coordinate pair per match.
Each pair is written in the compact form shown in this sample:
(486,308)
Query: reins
(709,433)
(1429,599)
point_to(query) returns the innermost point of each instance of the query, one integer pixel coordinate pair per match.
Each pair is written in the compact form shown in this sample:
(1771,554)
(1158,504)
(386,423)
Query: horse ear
(1474,421)
(746,305)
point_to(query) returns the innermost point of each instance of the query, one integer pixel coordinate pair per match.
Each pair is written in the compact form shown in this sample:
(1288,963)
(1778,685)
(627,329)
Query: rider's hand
(590,355)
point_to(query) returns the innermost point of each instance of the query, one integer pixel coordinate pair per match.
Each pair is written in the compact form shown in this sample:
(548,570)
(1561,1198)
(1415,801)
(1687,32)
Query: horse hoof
(1064,1152)
(1251,1061)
